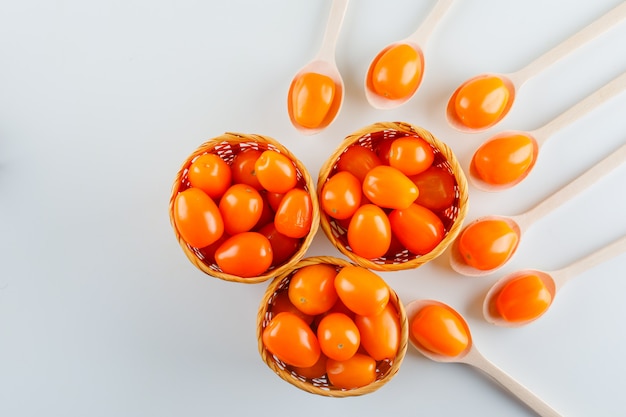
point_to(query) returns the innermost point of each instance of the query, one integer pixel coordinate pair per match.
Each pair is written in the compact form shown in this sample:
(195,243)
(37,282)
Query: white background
(101,314)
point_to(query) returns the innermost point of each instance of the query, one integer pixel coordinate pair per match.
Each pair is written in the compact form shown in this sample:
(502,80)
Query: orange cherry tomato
(197,218)
(356,372)
(361,290)
(417,228)
(242,168)
(382,150)
(397,72)
(411,155)
(312,97)
(358,160)
(523,298)
(246,254)
(380,333)
(282,303)
(275,172)
(211,174)
(436,188)
(295,214)
(487,244)
(388,187)
(291,340)
(318,370)
(481,102)
(369,232)
(312,289)
(274,199)
(283,247)
(338,336)
(241,207)
(504,160)
(341,195)
(439,330)
(267,213)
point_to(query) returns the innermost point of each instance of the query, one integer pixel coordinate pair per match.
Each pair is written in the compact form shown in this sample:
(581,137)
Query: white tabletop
(101,314)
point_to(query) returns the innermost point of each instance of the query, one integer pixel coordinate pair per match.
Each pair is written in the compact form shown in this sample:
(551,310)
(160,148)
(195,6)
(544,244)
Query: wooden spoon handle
(529,398)
(593,30)
(333,27)
(589,103)
(581,183)
(423,32)
(611,250)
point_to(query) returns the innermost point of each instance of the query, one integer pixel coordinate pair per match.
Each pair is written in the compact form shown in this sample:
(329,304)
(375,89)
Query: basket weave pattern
(227,146)
(386,369)
(370,137)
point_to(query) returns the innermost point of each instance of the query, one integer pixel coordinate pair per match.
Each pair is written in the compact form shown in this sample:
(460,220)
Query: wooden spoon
(471,356)
(538,137)
(514,81)
(324,63)
(553,281)
(417,41)
(520,223)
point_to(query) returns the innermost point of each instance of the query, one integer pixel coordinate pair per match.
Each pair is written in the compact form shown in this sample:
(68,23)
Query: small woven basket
(227,146)
(385,369)
(453,217)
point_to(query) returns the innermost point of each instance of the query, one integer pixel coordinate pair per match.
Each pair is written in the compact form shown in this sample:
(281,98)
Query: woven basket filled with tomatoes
(332,328)
(243,208)
(392,196)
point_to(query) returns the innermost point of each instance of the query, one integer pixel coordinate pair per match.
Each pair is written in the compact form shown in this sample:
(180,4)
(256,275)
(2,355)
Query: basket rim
(260,141)
(302,382)
(446,153)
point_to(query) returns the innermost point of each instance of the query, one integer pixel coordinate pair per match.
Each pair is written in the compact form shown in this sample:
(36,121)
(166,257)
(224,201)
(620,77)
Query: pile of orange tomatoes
(246,216)
(334,323)
(389,197)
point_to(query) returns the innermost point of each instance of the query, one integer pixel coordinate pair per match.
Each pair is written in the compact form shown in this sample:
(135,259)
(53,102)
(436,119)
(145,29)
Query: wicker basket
(227,146)
(386,369)
(452,218)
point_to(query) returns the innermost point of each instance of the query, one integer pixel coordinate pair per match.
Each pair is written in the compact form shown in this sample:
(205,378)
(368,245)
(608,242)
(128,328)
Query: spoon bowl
(497,106)
(471,356)
(501,162)
(324,65)
(410,71)
(551,280)
(521,222)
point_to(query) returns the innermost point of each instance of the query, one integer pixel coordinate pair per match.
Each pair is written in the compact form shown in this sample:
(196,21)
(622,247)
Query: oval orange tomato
(481,102)
(504,160)
(361,290)
(437,188)
(358,160)
(487,244)
(380,333)
(241,207)
(318,370)
(417,228)
(294,216)
(242,167)
(211,174)
(341,195)
(369,232)
(388,187)
(356,372)
(411,155)
(439,330)
(197,218)
(524,298)
(311,98)
(246,254)
(282,303)
(397,72)
(283,247)
(275,172)
(292,341)
(312,289)
(338,336)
